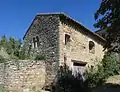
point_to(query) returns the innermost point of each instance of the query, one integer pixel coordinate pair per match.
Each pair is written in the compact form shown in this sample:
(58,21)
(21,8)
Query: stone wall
(23,76)
(79,45)
(46,28)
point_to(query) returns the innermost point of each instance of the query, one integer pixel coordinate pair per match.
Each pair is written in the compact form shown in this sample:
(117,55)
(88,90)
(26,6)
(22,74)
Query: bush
(95,78)
(108,67)
(22,53)
(1,89)
(40,57)
(2,59)
(67,82)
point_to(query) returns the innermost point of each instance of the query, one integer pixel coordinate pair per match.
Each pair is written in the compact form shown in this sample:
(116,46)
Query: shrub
(95,77)
(108,67)
(39,57)
(1,89)
(22,53)
(2,59)
(67,82)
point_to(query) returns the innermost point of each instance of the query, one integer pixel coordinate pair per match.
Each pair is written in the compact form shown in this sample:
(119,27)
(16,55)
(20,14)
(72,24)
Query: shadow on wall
(68,82)
(108,87)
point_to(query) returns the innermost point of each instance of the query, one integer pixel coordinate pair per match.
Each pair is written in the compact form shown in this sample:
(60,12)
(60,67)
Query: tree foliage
(2,59)
(13,48)
(40,57)
(22,53)
(108,67)
(3,41)
(108,17)
(2,89)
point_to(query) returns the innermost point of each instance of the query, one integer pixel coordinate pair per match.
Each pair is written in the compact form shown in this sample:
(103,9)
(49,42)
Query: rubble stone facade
(43,37)
(22,76)
(78,48)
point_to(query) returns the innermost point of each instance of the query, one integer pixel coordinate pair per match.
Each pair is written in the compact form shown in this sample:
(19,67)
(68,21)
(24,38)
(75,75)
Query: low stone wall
(22,76)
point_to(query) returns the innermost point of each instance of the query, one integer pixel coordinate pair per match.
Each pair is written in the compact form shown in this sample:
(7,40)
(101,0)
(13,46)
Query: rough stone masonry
(22,76)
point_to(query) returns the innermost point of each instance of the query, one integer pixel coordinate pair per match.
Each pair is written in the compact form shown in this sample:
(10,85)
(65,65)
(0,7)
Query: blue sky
(17,15)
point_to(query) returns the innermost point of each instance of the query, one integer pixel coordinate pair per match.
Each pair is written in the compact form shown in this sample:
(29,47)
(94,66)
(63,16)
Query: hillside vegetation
(11,49)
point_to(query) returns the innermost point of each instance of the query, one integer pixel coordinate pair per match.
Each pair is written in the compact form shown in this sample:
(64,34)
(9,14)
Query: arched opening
(37,41)
(67,39)
(34,42)
(91,47)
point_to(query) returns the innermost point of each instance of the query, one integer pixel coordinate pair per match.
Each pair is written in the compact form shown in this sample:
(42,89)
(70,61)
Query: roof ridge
(51,13)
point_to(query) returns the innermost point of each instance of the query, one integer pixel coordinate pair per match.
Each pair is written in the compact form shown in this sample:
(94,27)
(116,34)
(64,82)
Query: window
(34,45)
(91,47)
(67,39)
(37,41)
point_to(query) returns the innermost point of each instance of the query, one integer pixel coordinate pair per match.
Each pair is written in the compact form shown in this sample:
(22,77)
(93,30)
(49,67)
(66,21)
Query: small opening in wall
(65,60)
(79,63)
(47,88)
(67,39)
(91,47)
(76,64)
(34,42)
(37,41)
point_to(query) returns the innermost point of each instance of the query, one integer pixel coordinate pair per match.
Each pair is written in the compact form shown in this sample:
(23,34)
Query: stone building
(61,40)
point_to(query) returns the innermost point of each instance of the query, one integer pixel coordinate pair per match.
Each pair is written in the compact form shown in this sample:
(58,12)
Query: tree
(11,45)
(13,48)
(108,17)
(22,53)
(3,41)
(18,44)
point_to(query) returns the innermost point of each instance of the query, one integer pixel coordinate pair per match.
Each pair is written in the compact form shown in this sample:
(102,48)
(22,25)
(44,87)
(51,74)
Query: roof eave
(84,27)
(29,27)
(63,14)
